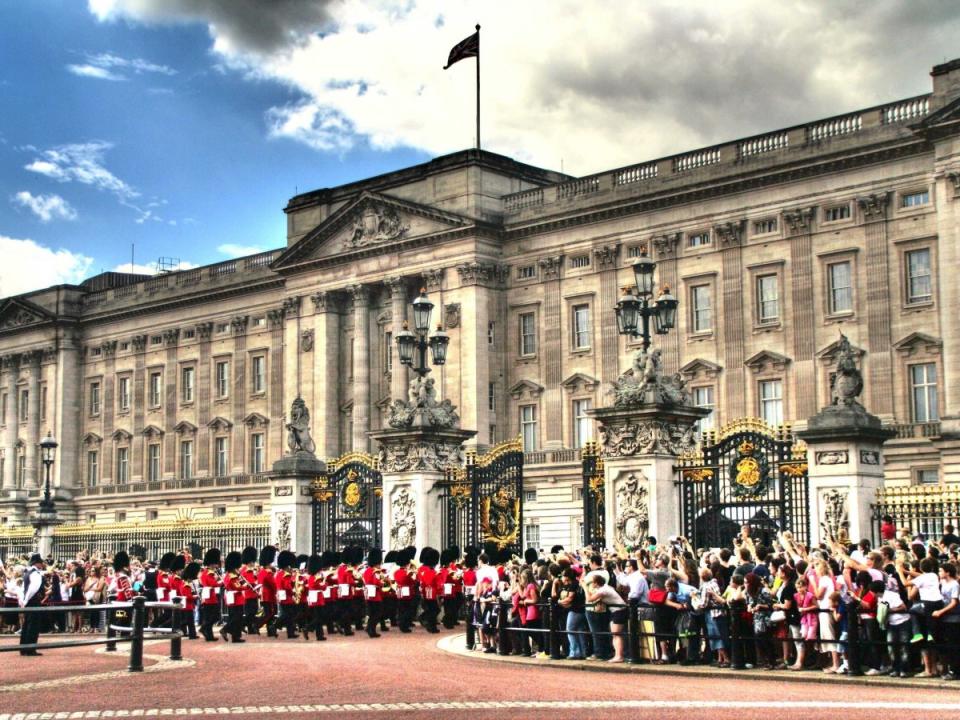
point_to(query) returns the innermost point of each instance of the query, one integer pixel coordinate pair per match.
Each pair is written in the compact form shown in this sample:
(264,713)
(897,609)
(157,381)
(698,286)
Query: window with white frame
(634,251)
(703,398)
(93,468)
(21,468)
(582,423)
(926,476)
(123,394)
(187,376)
(923,392)
(837,212)
(530,496)
(578,493)
(221,375)
(915,199)
(221,448)
(186,459)
(840,287)
(526,272)
(153,462)
(388,351)
(528,333)
(24,406)
(768,299)
(259,373)
(219,511)
(152,514)
(919,287)
(94,398)
(120,516)
(767,225)
(771,402)
(256,452)
(580,261)
(528,427)
(701,308)
(581,327)
(122,471)
(492,397)
(531,535)
(698,239)
(156,389)
(43,402)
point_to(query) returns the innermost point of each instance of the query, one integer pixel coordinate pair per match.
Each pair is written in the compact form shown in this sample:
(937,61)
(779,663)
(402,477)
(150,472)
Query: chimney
(946,84)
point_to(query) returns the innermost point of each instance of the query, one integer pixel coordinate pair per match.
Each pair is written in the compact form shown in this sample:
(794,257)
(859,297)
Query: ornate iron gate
(483,502)
(748,473)
(347,507)
(594,529)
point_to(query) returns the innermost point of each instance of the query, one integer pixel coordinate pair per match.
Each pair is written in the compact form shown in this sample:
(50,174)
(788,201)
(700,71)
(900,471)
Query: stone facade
(169,392)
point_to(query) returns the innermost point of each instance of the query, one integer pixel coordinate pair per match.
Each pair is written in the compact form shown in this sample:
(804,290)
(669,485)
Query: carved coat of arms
(375,224)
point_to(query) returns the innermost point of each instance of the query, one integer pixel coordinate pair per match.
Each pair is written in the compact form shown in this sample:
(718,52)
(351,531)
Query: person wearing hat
(120,590)
(33,595)
(181,586)
(427,578)
(287,608)
(315,600)
(251,596)
(233,598)
(373,591)
(405,579)
(162,616)
(210,593)
(268,590)
(345,583)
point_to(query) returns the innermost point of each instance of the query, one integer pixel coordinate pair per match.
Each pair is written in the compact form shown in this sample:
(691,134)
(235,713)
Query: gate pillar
(291,501)
(844,456)
(413,462)
(640,446)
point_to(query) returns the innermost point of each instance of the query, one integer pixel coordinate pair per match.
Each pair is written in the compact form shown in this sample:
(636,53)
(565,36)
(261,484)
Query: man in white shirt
(32,597)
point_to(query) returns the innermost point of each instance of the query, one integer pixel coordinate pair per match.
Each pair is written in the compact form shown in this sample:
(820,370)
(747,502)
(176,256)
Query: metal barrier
(133,633)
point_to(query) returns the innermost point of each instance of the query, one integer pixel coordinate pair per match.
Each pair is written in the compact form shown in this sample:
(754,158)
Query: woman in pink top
(809,621)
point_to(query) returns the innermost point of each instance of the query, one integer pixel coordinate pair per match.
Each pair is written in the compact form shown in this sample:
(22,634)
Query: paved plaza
(417,676)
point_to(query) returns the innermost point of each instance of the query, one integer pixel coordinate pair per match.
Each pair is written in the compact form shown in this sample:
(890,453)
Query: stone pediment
(219,424)
(92,439)
(940,121)
(17,313)
(700,367)
(916,341)
(185,427)
(580,382)
(152,431)
(255,420)
(368,224)
(121,435)
(767,359)
(526,388)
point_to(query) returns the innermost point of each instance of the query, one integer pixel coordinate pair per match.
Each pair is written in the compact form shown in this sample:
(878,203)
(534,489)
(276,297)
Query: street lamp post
(48,448)
(635,311)
(416,343)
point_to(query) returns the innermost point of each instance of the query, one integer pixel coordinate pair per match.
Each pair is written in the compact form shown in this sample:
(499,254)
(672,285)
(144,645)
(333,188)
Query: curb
(456,645)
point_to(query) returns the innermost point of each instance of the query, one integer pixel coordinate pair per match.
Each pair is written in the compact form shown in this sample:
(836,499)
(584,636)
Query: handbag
(777,616)
(657,596)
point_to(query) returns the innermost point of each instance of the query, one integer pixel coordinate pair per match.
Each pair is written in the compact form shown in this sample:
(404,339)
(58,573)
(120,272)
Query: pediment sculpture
(375,224)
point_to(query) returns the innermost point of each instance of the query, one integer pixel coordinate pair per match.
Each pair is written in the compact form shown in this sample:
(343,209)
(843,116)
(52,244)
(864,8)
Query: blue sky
(184,126)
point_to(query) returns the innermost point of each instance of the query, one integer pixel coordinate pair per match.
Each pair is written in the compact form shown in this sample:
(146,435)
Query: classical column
(552,351)
(11,369)
(665,249)
(605,260)
(238,393)
(139,345)
(361,366)
(877,303)
(108,349)
(33,421)
(69,382)
(398,306)
(326,373)
(171,402)
(290,306)
(731,236)
(801,321)
(204,332)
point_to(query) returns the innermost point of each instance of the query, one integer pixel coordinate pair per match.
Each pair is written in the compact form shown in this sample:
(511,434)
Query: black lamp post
(634,311)
(48,447)
(417,342)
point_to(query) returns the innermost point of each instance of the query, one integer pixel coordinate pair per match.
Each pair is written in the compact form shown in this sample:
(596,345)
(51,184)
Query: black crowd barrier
(862,643)
(126,623)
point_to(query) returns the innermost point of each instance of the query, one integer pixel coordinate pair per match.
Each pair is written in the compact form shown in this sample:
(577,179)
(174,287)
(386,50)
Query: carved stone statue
(421,409)
(298,429)
(403,527)
(644,383)
(632,512)
(848,381)
(375,224)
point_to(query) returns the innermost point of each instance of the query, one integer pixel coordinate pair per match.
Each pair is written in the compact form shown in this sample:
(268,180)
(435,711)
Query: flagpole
(478,87)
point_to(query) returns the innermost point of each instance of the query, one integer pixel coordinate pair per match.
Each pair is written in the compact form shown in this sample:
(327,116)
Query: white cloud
(234,250)
(104,66)
(91,71)
(141,269)
(82,163)
(595,85)
(45,207)
(29,266)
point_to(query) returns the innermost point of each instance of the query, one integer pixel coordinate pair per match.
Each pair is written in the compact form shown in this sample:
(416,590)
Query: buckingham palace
(168,394)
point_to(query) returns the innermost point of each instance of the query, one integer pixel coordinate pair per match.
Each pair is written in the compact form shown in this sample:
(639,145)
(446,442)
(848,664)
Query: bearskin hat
(336,557)
(191,571)
(429,557)
(178,563)
(556,549)
(212,557)
(302,560)
(530,556)
(314,564)
(267,555)
(409,555)
(447,556)
(356,555)
(121,561)
(470,560)
(165,560)
(374,557)
(248,555)
(391,557)
(286,559)
(233,562)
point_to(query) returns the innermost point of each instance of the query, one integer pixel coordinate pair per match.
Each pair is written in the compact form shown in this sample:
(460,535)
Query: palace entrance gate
(347,504)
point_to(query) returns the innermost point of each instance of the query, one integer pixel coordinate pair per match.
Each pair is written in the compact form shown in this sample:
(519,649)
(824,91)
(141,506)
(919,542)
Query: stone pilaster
(171,401)
(68,472)
(665,248)
(326,373)
(730,236)
(11,372)
(204,332)
(397,287)
(605,260)
(139,344)
(238,393)
(552,351)
(275,402)
(361,366)
(877,303)
(799,224)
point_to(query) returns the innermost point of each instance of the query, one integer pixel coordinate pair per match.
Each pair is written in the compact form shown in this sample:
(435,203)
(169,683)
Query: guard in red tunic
(251,598)
(286,603)
(120,590)
(162,616)
(405,579)
(233,598)
(373,591)
(210,593)
(427,578)
(185,587)
(345,582)
(450,586)
(268,590)
(470,593)
(315,600)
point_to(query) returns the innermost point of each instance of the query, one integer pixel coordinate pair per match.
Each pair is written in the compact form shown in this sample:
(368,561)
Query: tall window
(123,394)
(220,450)
(24,408)
(768,299)
(156,389)
(43,402)
(918,276)
(123,461)
(528,427)
(388,351)
(702,308)
(93,467)
(95,398)
(531,535)
(256,453)
(21,468)
(221,378)
(771,401)
(840,287)
(923,387)
(491,327)
(186,459)
(492,397)
(528,334)
(259,373)
(703,398)
(582,423)
(186,384)
(581,327)
(153,462)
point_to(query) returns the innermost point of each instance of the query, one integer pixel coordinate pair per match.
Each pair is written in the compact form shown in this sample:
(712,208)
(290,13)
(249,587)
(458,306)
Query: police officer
(33,594)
